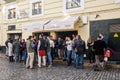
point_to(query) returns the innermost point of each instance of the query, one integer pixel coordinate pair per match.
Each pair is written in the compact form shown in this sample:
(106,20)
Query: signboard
(65,23)
(116,35)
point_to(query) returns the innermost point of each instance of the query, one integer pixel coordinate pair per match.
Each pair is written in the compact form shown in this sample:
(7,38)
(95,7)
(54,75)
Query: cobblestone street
(17,71)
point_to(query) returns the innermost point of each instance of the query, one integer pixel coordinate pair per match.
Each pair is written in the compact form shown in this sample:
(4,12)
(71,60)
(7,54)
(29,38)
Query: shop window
(36,7)
(11,27)
(73,5)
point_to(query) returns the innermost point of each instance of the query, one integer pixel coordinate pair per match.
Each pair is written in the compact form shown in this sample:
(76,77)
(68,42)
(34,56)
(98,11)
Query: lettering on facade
(22,14)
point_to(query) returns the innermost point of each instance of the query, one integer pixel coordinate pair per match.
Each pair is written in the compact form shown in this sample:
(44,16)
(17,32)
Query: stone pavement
(17,71)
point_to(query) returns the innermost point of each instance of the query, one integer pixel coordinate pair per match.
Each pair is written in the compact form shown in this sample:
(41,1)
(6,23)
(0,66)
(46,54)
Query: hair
(90,39)
(30,37)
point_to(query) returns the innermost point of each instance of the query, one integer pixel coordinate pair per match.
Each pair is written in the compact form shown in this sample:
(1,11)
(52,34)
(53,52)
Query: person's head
(34,37)
(68,38)
(101,35)
(59,38)
(23,40)
(78,37)
(11,41)
(99,38)
(29,37)
(40,36)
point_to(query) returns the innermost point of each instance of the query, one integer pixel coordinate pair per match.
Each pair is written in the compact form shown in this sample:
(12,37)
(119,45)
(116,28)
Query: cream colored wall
(107,9)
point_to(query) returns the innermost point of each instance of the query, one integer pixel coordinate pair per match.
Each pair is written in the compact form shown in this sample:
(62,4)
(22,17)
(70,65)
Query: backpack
(80,46)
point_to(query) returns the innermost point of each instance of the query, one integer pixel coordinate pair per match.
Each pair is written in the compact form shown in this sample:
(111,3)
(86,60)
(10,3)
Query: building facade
(21,18)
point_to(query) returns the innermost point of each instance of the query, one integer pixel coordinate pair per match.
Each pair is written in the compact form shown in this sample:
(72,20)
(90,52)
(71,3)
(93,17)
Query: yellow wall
(107,9)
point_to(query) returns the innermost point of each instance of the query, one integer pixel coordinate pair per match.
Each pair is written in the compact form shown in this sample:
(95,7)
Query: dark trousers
(11,59)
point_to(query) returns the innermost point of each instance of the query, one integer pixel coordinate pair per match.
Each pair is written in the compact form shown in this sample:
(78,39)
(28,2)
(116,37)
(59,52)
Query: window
(72,4)
(11,27)
(12,13)
(36,7)
(69,5)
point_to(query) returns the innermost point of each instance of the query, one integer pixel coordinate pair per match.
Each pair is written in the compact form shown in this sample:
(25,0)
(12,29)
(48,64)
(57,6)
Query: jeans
(49,56)
(16,57)
(79,61)
(75,55)
(69,59)
(35,57)
(25,56)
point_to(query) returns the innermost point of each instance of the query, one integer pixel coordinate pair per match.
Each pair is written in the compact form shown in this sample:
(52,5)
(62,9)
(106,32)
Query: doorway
(66,33)
(43,33)
(114,40)
(14,35)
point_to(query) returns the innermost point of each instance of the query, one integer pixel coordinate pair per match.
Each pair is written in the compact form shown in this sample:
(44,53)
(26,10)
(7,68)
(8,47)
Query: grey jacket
(16,47)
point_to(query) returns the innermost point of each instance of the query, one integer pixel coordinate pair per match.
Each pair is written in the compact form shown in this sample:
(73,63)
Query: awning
(34,26)
(63,23)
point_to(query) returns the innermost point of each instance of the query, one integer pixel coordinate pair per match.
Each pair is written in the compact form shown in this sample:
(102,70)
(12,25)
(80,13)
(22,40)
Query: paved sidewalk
(17,71)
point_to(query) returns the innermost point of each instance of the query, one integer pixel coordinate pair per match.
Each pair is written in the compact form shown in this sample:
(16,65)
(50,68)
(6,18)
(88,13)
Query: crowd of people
(45,49)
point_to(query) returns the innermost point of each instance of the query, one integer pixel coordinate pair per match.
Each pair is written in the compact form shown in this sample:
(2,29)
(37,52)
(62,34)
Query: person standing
(16,49)
(79,49)
(60,48)
(10,50)
(24,51)
(6,45)
(69,51)
(99,47)
(91,55)
(30,49)
(41,51)
(50,46)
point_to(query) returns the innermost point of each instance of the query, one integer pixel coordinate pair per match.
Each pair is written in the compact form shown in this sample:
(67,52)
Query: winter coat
(10,49)
(99,47)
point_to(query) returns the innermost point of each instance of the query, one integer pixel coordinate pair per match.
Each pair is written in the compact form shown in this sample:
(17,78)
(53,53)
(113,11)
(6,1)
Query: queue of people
(43,51)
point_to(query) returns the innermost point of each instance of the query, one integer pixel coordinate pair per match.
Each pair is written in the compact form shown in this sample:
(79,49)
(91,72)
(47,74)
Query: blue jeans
(79,61)
(35,57)
(69,54)
(49,56)
(16,57)
(75,55)
(25,56)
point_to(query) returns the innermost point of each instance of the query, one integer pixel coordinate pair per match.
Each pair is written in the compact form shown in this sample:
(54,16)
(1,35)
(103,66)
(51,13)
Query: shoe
(31,68)
(39,66)
(49,66)
(28,67)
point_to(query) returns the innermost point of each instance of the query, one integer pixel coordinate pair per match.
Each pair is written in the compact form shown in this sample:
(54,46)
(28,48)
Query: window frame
(31,8)
(73,9)
(8,7)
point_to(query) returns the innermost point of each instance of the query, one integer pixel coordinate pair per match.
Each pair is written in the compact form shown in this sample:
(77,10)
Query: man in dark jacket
(16,49)
(99,47)
(79,50)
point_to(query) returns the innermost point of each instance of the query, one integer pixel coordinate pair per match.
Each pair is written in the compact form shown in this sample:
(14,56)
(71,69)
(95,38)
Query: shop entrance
(66,33)
(14,35)
(43,33)
(114,40)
